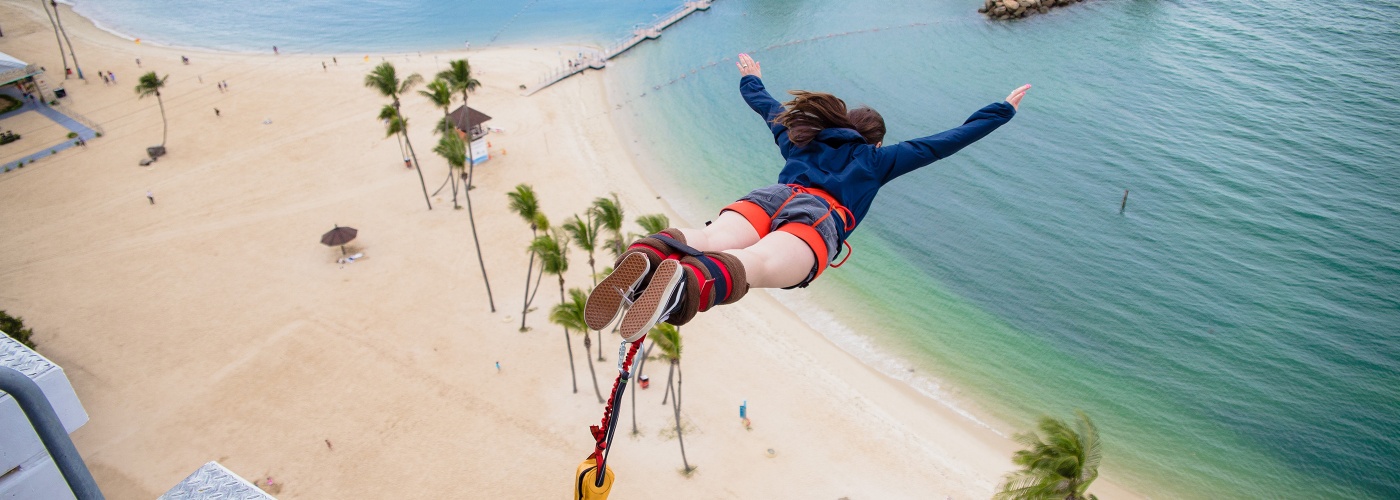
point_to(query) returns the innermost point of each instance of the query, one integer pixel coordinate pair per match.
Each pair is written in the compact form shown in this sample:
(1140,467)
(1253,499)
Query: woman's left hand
(748,66)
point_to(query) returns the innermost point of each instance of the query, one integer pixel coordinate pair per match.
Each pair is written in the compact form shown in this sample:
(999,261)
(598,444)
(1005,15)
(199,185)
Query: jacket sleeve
(909,155)
(766,106)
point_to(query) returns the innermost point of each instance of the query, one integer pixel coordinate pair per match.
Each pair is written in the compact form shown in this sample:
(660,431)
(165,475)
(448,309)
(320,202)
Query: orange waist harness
(762,222)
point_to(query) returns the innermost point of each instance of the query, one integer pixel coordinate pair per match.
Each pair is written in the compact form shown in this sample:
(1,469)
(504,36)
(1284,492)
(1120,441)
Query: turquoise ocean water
(1235,333)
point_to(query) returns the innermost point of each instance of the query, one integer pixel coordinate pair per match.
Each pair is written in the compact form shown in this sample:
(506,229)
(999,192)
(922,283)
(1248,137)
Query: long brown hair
(810,112)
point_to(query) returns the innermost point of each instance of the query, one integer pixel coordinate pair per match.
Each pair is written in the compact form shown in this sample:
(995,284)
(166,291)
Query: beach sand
(213,325)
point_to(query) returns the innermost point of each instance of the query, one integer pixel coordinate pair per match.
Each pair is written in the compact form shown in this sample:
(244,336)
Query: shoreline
(881,402)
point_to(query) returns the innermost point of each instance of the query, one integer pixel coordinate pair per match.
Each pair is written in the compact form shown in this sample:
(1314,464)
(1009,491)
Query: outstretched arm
(909,155)
(758,99)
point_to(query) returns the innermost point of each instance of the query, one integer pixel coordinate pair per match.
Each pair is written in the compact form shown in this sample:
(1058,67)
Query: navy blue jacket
(840,162)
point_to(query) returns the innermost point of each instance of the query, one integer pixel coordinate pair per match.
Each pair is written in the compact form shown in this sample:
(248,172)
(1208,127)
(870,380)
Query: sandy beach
(211,325)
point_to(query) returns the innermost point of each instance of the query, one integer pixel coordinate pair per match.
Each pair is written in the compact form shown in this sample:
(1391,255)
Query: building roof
(459,117)
(12,69)
(8,62)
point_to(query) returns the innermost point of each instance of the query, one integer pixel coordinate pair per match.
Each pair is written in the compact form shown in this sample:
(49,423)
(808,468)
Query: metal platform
(213,481)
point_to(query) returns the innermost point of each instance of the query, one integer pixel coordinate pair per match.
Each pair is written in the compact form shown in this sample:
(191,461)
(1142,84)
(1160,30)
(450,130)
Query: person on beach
(217,114)
(782,235)
(151,196)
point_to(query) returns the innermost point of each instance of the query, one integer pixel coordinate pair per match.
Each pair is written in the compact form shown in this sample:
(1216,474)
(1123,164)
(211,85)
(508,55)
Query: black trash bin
(60,93)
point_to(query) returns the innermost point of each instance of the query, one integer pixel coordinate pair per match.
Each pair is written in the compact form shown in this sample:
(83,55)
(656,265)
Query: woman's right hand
(1015,98)
(748,66)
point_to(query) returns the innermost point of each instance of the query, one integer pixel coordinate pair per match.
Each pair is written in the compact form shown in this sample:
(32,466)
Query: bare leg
(728,231)
(778,260)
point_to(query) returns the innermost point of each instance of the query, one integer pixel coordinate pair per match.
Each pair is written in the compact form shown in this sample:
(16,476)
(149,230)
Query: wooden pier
(599,59)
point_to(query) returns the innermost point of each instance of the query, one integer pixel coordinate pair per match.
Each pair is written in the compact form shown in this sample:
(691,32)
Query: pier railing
(598,59)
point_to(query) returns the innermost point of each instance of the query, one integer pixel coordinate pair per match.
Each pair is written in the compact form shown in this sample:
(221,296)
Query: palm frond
(439,93)
(653,223)
(584,234)
(1058,462)
(454,150)
(150,84)
(668,339)
(459,75)
(553,250)
(385,79)
(524,203)
(408,83)
(569,314)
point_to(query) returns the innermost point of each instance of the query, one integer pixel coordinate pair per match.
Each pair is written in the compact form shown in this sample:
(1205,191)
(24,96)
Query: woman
(783,235)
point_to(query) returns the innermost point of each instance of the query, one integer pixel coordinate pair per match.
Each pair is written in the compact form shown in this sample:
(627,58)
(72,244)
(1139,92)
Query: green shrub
(14,327)
(8,104)
(72,135)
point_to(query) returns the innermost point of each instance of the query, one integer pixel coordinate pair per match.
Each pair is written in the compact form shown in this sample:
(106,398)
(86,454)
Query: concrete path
(84,132)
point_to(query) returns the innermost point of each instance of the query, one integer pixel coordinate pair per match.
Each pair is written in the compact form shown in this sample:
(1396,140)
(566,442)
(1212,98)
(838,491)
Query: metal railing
(42,416)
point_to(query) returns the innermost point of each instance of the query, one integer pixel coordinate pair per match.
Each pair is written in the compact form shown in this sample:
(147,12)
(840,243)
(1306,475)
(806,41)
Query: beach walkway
(85,129)
(599,59)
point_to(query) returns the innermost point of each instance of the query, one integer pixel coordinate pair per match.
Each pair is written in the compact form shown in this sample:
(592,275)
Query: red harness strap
(603,432)
(762,221)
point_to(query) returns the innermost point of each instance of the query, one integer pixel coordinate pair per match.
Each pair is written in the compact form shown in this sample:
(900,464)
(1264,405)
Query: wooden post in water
(1124,205)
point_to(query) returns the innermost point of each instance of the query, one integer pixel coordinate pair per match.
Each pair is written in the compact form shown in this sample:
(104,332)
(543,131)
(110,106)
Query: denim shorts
(804,208)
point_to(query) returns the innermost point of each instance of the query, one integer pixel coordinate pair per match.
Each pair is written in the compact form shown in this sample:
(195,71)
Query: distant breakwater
(1016,9)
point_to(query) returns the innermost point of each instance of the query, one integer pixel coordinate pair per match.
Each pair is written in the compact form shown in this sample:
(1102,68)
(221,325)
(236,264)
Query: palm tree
(541,220)
(525,204)
(441,96)
(393,125)
(585,235)
(637,375)
(150,84)
(59,22)
(667,337)
(1059,463)
(608,211)
(454,151)
(56,37)
(459,78)
(386,80)
(570,316)
(652,224)
(553,249)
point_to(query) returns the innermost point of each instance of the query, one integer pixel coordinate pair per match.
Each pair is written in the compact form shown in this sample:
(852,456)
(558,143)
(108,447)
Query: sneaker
(657,301)
(615,291)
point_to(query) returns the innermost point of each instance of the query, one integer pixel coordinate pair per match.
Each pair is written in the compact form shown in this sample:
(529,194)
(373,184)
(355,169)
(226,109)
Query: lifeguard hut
(21,75)
(470,126)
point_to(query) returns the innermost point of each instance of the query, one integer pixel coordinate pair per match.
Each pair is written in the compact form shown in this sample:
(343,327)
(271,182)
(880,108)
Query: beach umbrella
(339,237)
